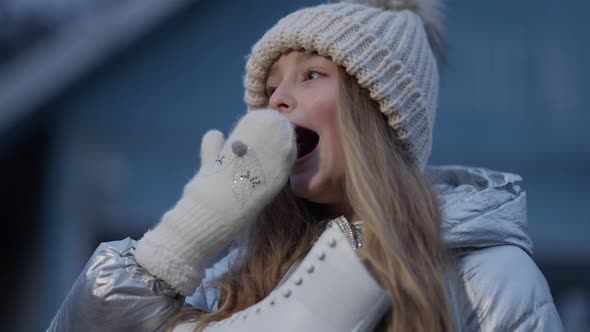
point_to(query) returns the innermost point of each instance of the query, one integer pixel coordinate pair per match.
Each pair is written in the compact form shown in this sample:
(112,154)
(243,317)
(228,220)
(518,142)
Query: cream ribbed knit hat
(383,44)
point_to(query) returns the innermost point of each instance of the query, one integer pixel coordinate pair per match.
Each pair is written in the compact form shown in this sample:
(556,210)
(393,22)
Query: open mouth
(307,140)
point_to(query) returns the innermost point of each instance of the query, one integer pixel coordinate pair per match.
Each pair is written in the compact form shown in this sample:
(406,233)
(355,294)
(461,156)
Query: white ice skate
(330,291)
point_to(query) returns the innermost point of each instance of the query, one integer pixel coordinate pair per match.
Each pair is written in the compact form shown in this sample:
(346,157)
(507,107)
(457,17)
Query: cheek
(322,113)
(333,159)
(331,155)
(323,104)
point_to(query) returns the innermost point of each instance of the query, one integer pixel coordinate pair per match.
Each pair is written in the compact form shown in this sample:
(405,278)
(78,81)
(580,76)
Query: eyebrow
(300,57)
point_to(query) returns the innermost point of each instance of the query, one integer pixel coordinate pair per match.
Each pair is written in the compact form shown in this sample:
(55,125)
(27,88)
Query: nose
(282,99)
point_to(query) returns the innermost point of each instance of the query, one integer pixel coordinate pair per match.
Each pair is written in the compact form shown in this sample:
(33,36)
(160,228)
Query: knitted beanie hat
(384,44)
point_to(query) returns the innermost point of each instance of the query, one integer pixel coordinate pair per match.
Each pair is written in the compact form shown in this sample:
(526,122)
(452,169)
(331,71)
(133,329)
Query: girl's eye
(312,75)
(308,75)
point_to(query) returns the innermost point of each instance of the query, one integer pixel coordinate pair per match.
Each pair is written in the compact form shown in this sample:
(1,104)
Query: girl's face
(304,87)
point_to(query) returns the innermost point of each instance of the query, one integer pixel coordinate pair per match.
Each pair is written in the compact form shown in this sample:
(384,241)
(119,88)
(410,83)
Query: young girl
(322,188)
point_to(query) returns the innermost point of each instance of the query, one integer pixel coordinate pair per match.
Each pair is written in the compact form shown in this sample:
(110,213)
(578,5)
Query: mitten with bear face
(237,178)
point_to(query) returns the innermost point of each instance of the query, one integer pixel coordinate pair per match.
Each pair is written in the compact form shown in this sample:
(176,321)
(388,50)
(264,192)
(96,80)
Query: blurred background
(103,105)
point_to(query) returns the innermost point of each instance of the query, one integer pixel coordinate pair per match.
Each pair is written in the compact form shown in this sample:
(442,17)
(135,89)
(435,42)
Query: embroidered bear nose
(239,148)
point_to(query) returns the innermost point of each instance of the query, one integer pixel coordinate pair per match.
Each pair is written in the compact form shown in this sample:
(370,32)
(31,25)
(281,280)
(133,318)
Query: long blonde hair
(402,242)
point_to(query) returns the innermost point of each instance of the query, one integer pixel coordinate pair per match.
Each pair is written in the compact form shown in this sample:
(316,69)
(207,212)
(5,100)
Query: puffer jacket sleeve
(114,293)
(506,291)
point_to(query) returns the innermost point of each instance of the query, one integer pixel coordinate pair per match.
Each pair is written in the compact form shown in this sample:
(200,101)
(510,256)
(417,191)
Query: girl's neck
(343,210)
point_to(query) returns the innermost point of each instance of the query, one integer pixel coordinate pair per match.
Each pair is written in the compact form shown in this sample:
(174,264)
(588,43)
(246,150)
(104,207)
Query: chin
(299,188)
(320,194)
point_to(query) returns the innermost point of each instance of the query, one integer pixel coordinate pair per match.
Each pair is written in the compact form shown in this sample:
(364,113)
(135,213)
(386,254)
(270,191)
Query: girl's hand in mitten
(237,178)
(240,176)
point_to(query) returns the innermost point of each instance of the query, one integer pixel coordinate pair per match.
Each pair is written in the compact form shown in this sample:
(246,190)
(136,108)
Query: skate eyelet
(332,243)
(287,293)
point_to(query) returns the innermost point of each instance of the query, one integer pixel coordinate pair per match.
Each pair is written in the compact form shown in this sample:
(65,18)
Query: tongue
(307,140)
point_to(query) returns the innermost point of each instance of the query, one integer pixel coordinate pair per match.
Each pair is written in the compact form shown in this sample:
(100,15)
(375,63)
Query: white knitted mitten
(235,181)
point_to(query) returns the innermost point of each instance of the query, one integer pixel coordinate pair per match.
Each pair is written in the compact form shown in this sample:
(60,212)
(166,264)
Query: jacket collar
(481,207)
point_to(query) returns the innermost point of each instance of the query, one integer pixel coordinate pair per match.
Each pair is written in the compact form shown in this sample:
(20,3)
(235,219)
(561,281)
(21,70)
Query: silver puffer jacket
(497,286)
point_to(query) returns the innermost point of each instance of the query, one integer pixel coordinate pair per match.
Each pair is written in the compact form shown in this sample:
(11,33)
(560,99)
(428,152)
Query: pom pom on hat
(388,4)
(428,10)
